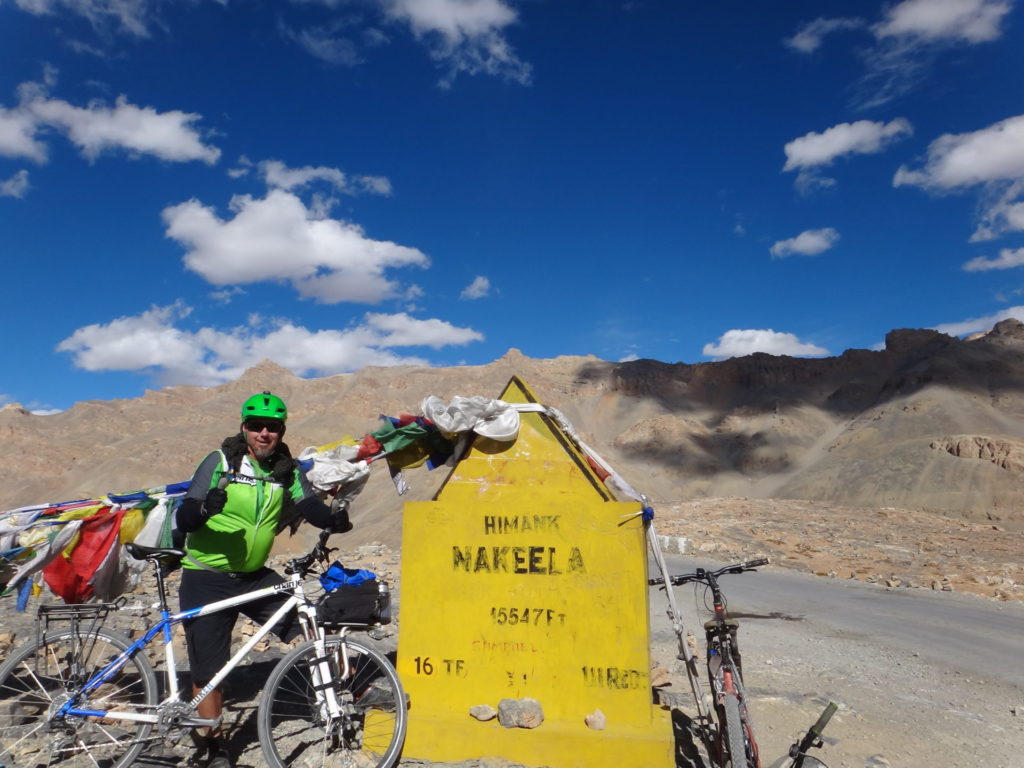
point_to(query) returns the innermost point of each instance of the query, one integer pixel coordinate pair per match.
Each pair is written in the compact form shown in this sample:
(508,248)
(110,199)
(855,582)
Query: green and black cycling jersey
(239,538)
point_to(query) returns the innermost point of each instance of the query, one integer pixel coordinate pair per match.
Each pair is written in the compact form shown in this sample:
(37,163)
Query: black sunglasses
(273,426)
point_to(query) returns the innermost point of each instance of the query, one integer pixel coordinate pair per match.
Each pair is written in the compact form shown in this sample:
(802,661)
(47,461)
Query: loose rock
(597,720)
(520,713)
(483,712)
(659,677)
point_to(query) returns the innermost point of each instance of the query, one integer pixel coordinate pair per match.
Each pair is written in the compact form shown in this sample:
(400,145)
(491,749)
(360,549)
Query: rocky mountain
(930,422)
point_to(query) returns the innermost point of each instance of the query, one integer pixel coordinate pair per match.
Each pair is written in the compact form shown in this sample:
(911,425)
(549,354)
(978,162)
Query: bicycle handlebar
(823,719)
(703,575)
(318,553)
(812,738)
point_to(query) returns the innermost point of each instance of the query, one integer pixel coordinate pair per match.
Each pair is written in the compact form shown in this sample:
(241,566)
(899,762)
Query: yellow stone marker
(523,578)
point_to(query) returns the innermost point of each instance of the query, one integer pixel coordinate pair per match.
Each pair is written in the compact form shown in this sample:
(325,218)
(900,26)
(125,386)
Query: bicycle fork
(323,676)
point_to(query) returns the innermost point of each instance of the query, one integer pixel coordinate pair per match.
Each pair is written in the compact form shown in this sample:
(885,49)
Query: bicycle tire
(371,731)
(39,675)
(735,732)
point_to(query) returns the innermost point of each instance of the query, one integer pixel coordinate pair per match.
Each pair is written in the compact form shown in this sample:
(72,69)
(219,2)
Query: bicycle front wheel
(37,679)
(295,728)
(735,733)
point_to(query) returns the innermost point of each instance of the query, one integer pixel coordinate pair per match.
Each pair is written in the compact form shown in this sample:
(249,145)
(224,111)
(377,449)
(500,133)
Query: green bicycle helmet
(264,406)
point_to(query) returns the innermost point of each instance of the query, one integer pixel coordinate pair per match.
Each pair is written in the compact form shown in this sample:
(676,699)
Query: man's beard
(262,453)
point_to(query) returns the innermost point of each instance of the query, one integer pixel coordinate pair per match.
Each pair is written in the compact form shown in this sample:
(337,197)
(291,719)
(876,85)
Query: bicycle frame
(168,620)
(725,669)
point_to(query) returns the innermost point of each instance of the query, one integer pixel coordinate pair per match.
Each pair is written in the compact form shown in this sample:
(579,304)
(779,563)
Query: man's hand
(216,498)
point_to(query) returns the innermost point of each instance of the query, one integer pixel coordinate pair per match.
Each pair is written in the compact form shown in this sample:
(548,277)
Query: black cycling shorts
(208,638)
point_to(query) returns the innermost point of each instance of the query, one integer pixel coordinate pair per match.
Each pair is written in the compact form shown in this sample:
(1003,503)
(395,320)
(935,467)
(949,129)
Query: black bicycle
(730,742)
(811,740)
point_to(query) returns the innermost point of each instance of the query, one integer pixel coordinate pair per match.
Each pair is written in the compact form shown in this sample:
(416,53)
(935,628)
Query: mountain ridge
(931,422)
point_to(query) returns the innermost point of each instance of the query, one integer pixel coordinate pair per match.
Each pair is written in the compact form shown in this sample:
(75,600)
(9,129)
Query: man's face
(262,436)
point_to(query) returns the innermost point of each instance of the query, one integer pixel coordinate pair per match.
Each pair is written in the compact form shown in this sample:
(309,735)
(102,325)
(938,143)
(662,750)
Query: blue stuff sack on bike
(353,597)
(338,576)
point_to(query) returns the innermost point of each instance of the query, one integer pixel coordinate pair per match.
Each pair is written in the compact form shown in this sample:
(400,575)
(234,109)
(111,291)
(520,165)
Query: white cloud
(377,185)
(279,238)
(130,16)
(16,186)
(1002,211)
(956,160)
(326,43)
(18,129)
(133,343)
(278,175)
(911,35)
(455,19)
(909,26)
(736,343)
(466,35)
(808,182)
(400,330)
(97,128)
(811,35)
(971,21)
(979,324)
(864,137)
(151,343)
(225,296)
(1007,259)
(810,242)
(629,358)
(478,289)
(992,157)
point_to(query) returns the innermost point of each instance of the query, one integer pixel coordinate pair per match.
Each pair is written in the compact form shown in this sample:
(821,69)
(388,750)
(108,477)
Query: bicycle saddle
(139,552)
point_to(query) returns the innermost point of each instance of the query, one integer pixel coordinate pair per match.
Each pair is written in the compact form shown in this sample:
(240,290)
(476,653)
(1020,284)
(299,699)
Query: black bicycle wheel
(735,732)
(38,678)
(295,731)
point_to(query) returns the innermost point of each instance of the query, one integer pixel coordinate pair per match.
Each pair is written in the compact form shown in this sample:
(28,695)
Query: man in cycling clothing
(231,513)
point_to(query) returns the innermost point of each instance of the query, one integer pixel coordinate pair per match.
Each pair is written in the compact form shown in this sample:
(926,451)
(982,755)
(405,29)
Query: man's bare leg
(210,708)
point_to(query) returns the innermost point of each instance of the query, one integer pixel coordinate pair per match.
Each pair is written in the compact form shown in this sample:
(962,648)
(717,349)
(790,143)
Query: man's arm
(309,505)
(194,510)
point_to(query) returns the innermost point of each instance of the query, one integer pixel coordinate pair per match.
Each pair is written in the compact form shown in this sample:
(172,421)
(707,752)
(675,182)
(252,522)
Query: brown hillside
(931,422)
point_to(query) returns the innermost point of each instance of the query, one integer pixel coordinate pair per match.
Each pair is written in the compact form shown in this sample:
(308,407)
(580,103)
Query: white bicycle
(84,696)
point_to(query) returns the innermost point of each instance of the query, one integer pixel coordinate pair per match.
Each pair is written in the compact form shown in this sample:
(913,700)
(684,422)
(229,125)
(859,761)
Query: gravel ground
(897,707)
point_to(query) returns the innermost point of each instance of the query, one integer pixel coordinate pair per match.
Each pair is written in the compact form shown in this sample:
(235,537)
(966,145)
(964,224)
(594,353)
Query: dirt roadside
(883,545)
(896,708)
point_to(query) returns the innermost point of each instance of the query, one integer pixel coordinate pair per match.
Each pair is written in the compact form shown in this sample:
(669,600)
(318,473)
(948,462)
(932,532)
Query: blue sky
(190,186)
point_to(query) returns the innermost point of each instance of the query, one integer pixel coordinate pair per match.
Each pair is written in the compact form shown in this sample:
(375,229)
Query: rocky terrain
(929,423)
(900,467)
(896,548)
(896,708)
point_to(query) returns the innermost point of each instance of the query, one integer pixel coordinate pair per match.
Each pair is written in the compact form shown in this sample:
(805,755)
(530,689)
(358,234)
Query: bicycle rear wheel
(295,730)
(37,679)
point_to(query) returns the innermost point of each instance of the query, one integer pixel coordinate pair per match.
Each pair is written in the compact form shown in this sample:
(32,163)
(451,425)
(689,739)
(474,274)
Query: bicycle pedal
(200,722)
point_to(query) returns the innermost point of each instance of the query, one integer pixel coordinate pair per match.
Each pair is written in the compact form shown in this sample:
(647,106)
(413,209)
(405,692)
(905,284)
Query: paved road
(922,678)
(978,636)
